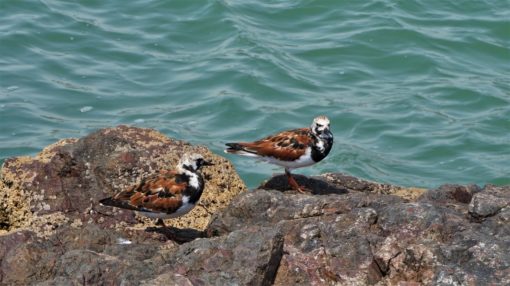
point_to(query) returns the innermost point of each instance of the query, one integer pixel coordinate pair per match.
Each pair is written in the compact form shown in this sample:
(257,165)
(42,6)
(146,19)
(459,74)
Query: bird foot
(295,186)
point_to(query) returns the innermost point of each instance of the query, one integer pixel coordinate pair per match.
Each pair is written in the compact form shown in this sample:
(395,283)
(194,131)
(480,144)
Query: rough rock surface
(63,183)
(353,232)
(346,232)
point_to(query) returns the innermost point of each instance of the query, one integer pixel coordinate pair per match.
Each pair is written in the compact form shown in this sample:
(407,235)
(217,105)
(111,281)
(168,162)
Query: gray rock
(359,238)
(250,256)
(489,202)
(451,194)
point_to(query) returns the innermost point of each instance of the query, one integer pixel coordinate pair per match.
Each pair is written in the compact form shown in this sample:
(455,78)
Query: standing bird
(167,194)
(290,149)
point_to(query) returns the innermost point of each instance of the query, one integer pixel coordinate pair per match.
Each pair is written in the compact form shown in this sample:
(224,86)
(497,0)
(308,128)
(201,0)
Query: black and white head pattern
(192,162)
(320,127)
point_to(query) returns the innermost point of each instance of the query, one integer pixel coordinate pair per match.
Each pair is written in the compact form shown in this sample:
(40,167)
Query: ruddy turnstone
(167,194)
(290,149)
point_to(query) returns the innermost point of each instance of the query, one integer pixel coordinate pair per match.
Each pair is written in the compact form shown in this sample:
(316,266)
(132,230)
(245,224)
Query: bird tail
(239,149)
(233,148)
(108,202)
(118,204)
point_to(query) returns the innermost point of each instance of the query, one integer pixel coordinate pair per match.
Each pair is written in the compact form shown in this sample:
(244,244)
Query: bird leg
(161,222)
(292,182)
(169,232)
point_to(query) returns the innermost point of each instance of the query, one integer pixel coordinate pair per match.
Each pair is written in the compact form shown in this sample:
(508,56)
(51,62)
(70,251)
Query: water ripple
(418,92)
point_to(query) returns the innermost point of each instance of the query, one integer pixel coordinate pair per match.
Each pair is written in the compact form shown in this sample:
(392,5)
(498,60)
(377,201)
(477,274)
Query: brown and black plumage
(167,194)
(291,149)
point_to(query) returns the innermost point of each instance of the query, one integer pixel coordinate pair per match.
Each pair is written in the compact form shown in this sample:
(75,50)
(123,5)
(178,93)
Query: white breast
(303,161)
(182,210)
(320,145)
(193,179)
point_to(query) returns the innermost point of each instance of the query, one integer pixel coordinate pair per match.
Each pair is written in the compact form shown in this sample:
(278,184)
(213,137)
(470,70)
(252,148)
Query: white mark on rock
(123,241)
(46,206)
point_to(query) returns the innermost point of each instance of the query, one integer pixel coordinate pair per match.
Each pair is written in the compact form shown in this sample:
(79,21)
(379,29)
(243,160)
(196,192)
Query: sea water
(418,91)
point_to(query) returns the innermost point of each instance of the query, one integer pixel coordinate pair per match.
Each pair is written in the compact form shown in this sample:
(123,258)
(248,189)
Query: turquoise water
(418,91)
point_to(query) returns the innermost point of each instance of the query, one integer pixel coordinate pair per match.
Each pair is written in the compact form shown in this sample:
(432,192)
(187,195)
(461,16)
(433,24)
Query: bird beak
(327,134)
(207,163)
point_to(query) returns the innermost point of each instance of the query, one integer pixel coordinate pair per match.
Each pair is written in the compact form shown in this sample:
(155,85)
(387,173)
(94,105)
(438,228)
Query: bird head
(320,127)
(193,162)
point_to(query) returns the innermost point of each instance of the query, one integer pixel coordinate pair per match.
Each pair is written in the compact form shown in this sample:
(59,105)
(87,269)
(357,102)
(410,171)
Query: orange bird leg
(293,183)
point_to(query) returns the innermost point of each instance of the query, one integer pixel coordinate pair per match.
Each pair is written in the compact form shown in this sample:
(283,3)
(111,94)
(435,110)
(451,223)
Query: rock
(362,236)
(348,231)
(95,256)
(355,184)
(446,194)
(337,183)
(326,238)
(63,183)
(250,256)
(489,202)
(268,208)
(89,255)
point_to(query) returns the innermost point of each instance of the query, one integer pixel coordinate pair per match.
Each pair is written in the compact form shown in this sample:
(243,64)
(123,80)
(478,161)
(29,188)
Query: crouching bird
(167,194)
(290,149)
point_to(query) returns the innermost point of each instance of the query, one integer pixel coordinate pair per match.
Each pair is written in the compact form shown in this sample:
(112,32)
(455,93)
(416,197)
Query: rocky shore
(346,232)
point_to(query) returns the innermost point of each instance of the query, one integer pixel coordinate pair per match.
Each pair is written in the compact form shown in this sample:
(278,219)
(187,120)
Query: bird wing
(158,193)
(287,145)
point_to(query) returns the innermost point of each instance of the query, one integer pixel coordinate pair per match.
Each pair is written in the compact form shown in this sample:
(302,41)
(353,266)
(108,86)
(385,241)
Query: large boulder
(355,232)
(63,183)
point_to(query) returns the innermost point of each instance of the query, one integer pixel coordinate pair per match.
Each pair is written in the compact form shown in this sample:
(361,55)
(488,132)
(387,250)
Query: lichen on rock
(71,176)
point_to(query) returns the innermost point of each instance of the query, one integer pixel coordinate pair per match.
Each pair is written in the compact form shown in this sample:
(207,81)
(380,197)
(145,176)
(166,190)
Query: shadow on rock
(177,234)
(314,185)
